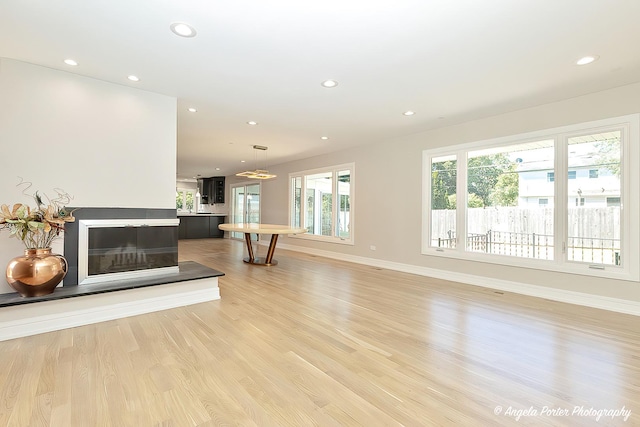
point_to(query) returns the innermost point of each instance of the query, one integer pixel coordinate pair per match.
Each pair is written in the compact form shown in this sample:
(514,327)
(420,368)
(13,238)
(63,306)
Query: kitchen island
(200,225)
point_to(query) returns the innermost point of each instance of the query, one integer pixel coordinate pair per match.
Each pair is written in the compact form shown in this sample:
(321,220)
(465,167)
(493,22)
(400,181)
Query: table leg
(268,260)
(272,248)
(247,238)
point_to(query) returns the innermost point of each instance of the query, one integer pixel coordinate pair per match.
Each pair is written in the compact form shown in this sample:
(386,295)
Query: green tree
(439,199)
(474,201)
(189,201)
(483,173)
(453,201)
(443,183)
(491,180)
(506,190)
(607,155)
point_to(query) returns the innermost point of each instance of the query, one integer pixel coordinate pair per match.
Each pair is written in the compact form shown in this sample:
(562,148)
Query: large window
(510,209)
(185,200)
(593,233)
(443,201)
(321,201)
(500,182)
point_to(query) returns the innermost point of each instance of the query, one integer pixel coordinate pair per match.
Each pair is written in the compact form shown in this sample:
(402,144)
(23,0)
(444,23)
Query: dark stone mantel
(189,270)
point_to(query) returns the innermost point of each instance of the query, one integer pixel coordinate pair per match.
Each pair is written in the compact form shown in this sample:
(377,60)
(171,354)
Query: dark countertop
(189,270)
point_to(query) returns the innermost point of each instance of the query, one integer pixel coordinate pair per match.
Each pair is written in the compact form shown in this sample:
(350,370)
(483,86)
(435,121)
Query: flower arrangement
(37,227)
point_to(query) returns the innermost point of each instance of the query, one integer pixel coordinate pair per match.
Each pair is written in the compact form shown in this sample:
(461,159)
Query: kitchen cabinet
(200,227)
(217,189)
(211,190)
(204,188)
(197,227)
(214,222)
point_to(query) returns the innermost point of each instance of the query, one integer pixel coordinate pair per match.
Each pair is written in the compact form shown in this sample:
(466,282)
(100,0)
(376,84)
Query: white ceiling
(448,60)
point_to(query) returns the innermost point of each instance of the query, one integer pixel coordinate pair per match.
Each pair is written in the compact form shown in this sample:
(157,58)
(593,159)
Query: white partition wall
(107,145)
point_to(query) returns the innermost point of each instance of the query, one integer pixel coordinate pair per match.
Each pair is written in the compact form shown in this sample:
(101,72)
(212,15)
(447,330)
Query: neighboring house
(589,186)
(592,180)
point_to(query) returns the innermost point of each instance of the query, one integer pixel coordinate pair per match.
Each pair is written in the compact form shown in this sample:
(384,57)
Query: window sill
(568,267)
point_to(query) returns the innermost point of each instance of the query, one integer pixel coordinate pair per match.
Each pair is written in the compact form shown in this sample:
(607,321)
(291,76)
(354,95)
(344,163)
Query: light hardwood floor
(314,341)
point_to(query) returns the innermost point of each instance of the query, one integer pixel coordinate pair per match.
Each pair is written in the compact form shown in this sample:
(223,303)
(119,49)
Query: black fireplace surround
(121,249)
(187,270)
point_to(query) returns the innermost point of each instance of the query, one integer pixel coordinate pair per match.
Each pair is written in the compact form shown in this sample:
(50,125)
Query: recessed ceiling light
(409,113)
(586,60)
(183,30)
(133,78)
(329,83)
(217,169)
(192,110)
(242,161)
(252,123)
(70,62)
(324,137)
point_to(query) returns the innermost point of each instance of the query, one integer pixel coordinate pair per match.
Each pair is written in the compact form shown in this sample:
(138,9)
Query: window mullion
(560,200)
(461,201)
(334,203)
(303,201)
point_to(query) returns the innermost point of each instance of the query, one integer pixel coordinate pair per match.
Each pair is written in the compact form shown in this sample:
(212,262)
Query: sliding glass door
(245,205)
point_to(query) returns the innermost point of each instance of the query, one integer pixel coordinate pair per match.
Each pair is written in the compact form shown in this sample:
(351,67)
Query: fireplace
(127,248)
(109,244)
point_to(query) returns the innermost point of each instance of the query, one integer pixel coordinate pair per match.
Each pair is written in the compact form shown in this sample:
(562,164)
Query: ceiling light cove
(70,62)
(183,30)
(134,78)
(586,60)
(409,113)
(329,83)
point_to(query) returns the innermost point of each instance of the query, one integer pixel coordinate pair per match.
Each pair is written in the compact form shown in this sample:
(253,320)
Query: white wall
(388,192)
(107,145)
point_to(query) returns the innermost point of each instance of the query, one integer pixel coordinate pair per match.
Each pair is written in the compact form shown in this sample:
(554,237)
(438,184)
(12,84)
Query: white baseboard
(30,319)
(561,295)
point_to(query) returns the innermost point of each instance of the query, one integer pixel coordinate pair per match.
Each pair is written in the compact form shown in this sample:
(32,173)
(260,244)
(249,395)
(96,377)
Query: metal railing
(539,246)
(597,251)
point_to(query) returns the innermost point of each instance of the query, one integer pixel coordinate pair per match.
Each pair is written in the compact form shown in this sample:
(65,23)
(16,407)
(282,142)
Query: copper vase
(37,272)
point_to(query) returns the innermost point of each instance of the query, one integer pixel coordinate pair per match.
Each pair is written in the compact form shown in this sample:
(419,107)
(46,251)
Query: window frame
(334,170)
(629,125)
(184,191)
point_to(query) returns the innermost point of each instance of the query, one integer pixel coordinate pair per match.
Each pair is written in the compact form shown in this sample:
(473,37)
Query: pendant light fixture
(258,173)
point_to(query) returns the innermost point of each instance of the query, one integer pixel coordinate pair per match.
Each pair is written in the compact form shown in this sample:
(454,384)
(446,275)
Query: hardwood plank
(314,341)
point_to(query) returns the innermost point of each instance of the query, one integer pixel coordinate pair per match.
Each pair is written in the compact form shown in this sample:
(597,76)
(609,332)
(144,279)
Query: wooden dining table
(255,228)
